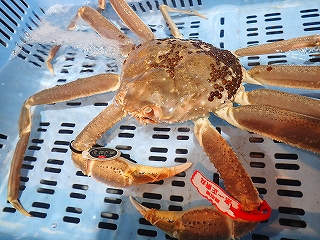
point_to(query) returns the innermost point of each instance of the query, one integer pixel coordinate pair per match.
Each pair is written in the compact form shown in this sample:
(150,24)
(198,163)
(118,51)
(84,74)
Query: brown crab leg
(290,127)
(101,5)
(103,26)
(173,27)
(14,175)
(280,46)
(208,222)
(223,157)
(81,88)
(131,19)
(306,77)
(281,100)
(52,54)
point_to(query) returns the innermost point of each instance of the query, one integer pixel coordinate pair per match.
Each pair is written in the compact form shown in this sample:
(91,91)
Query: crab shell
(174,80)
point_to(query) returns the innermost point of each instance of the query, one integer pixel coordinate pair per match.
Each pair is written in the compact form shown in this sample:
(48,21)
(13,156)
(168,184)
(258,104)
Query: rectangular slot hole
(41,205)
(160,136)
(157,158)
(159,150)
(114,191)
(261,180)
(109,226)
(288,182)
(287,166)
(55,161)
(176,198)
(65,131)
(109,215)
(68,124)
(71,219)
(63,143)
(149,195)
(74,210)
(38,214)
(52,170)
(175,208)
(292,223)
(77,195)
(59,150)
(112,200)
(292,211)
(289,193)
(126,135)
(146,233)
(176,183)
(48,182)
(45,191)
(80,186)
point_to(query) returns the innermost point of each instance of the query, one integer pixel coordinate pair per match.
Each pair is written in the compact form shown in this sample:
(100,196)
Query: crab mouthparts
(143,120)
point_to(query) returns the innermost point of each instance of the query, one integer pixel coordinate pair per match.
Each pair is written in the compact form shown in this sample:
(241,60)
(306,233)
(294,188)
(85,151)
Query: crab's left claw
(188,224)
(196,223)
(208,222)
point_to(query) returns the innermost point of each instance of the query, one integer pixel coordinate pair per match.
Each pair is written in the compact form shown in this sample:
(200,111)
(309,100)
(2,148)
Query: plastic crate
(66,203)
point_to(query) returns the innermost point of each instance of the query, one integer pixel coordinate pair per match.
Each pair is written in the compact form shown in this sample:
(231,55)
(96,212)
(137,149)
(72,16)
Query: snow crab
(175,80)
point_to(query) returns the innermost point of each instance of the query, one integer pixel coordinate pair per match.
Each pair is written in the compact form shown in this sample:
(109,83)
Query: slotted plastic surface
(67,204)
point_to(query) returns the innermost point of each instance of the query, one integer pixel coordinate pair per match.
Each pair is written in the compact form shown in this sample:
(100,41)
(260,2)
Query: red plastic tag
(226,204)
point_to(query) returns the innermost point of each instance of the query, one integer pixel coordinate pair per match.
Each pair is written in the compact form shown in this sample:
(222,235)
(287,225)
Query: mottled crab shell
(173,80)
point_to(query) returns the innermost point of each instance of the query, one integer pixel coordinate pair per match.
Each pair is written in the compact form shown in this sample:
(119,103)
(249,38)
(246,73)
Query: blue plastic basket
(66,203)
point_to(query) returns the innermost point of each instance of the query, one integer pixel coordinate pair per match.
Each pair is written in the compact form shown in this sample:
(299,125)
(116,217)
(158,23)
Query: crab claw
(120,172)
(195,223)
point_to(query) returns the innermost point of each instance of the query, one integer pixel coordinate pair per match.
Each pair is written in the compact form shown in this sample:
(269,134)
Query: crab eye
(148,111)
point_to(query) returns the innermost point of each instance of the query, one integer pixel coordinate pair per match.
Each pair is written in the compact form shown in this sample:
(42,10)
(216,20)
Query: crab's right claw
(120,172)
(196,223)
